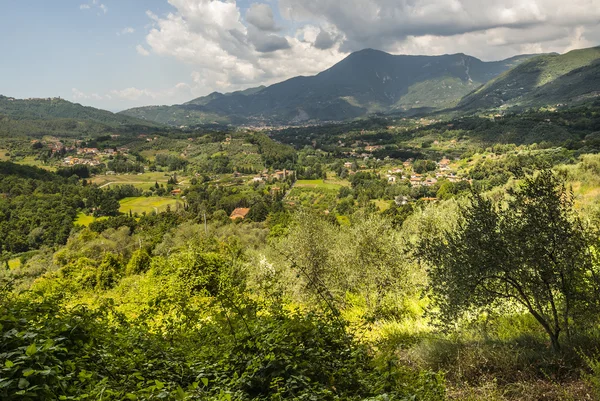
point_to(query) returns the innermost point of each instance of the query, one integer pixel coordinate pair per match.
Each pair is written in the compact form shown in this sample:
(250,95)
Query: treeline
(38,208)
(274,154)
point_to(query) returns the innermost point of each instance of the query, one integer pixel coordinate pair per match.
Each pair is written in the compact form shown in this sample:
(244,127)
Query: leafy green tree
(139,262)
(109,271)
(532,252)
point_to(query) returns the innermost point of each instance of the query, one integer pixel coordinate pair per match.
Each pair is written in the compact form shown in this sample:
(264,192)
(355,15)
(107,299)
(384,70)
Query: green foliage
(533,252)
(109,271)
(139,262)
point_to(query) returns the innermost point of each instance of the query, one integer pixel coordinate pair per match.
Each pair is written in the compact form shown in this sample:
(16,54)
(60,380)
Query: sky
(118,54)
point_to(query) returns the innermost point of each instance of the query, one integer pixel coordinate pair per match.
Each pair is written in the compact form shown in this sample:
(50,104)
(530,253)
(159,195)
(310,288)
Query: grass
(85,220)
(14,263)
(148,205)
(3,153)
(322,184)
(31,161)
(381,204)
(143,181)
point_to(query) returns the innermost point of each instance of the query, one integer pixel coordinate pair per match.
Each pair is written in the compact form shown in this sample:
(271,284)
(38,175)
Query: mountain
(57,108)
(548,79)
(367,81)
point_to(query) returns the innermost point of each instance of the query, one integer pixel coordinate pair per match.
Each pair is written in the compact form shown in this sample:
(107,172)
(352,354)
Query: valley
(393,228)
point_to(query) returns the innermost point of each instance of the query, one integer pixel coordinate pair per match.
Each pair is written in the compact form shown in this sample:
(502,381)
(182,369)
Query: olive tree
(530,249)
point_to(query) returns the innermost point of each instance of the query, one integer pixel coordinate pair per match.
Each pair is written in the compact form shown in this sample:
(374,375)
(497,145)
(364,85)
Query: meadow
(142,204)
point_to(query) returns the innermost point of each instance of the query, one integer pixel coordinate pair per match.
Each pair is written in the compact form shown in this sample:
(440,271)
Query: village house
(176,192)
(429,182)
(444,162)
(415,181)
(239,213)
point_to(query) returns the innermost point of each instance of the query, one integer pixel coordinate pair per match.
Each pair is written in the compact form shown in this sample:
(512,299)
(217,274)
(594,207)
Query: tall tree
(530,250)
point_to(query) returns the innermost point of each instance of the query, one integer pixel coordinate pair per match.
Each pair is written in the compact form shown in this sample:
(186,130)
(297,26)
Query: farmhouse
(239,213)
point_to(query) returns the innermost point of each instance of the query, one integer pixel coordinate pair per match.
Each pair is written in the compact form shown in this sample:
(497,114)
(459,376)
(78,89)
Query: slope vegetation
(544,80)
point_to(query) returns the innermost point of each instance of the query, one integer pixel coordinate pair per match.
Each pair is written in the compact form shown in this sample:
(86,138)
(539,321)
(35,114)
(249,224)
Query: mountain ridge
(364,82)
(539,81)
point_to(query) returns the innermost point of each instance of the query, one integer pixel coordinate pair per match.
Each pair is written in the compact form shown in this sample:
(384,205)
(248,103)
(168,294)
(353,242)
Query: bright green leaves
(31,350)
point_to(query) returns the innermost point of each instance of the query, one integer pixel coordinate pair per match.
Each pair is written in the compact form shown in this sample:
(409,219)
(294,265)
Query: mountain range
(366,81)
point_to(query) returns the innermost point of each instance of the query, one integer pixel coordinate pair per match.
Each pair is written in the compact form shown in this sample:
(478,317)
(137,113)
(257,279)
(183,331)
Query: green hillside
(59,117)
(52,108)
(544,80)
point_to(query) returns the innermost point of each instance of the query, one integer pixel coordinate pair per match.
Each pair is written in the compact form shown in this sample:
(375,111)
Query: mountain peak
(366,81)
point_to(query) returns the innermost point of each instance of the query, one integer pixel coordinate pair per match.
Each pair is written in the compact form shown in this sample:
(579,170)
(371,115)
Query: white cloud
(229,49)
(126,31)
(142,51)
(228,54)
(94,4)
(76,94)
(179,91)
(391,24)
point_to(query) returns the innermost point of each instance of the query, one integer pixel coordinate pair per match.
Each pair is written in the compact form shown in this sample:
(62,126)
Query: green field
(31,161)
(14,263)
(381,204)
(151,204)
(322,184)
(85,220)
(142,181)
(319,194)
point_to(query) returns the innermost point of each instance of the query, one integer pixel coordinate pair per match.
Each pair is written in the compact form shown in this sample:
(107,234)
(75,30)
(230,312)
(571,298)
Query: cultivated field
(142,181)
(151,204)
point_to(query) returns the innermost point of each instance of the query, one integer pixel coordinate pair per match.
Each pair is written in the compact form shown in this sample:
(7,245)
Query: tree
(532,252)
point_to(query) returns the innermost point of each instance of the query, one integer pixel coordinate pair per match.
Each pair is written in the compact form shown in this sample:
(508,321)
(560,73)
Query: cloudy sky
(116,54)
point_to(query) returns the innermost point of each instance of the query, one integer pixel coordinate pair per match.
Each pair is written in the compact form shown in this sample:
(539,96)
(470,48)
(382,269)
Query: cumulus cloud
(126,31)
(392,24)
(142,51)
(325,40)
(261,16)
(76,94)
(229,52)
(179,91)
(229,49)
(95,4)
(266,42)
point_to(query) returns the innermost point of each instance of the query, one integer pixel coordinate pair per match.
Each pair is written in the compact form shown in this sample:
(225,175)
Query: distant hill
(364,82)
(543,80)
(60,117)
(57,108)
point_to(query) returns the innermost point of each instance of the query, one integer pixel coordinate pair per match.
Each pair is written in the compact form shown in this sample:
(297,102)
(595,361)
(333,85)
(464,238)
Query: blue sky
(117,54)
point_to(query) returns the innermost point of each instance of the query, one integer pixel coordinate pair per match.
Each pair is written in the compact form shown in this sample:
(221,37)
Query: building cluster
(92,156)
(278,175)
(443,172)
